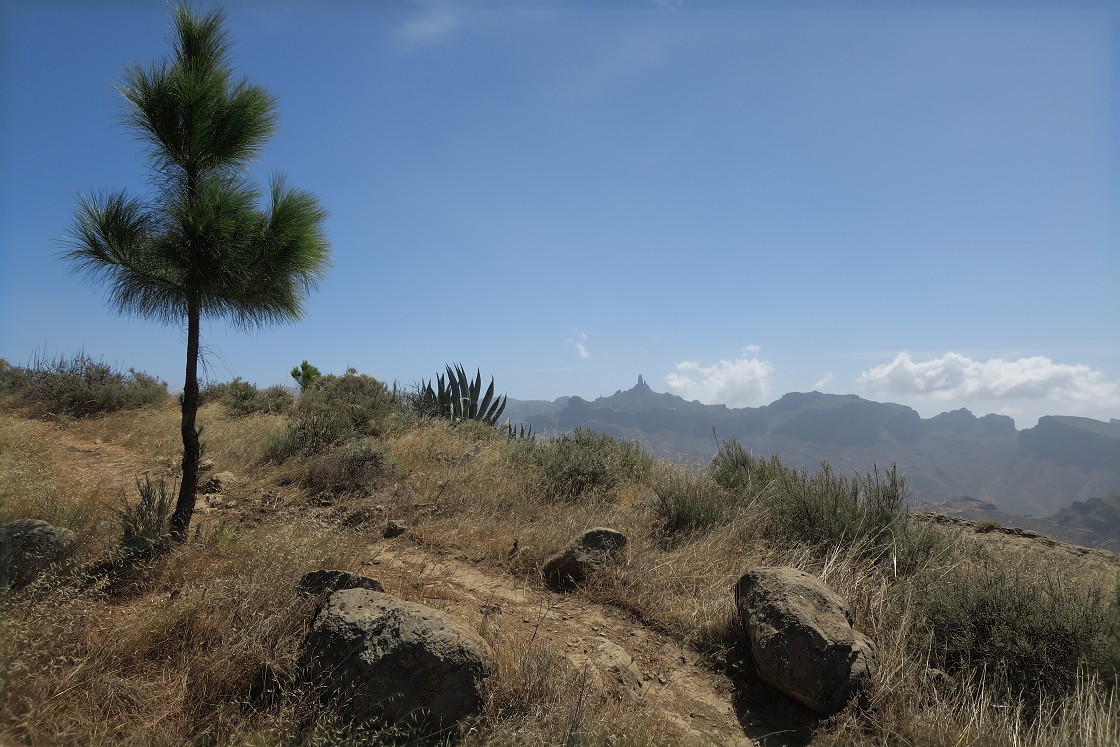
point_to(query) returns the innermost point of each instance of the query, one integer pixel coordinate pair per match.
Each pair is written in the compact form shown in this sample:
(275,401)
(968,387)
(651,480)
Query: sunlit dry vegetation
(199,643)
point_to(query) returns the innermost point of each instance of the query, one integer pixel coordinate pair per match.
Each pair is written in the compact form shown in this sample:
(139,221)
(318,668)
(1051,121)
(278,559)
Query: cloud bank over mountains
(742,382)
(956,377)
(1024,388)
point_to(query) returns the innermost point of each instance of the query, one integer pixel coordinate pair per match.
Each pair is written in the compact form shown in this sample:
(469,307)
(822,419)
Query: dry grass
(539,697)
(200,646)
(179,651)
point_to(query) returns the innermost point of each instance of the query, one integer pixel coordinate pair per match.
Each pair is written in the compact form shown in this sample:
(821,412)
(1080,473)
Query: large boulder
(588,551)
(379,657)
(801,638)
(30,546)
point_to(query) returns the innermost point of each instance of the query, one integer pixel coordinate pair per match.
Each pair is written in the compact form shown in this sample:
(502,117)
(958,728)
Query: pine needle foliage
(200,244)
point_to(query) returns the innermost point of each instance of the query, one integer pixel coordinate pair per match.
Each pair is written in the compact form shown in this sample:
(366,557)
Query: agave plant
(459,398)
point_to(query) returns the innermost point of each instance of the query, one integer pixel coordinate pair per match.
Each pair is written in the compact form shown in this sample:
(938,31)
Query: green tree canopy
(200,244)
(305,375)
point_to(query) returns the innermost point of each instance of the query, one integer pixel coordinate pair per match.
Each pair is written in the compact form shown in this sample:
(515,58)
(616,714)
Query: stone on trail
(590,550)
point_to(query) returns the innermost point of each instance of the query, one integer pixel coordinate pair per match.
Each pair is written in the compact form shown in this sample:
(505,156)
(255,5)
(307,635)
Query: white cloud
(954,377)
(584,353)
(824,383)
(737,383)
(432,27)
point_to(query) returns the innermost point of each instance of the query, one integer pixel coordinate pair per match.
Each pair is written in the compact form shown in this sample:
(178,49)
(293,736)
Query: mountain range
(955,461)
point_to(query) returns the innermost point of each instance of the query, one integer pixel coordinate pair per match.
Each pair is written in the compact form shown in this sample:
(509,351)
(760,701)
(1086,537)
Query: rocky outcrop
(586,552)
(30,546)
(378,657)
(801,638)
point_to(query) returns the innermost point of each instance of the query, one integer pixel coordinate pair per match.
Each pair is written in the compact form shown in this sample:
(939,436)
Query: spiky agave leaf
(495,411)
(460,397)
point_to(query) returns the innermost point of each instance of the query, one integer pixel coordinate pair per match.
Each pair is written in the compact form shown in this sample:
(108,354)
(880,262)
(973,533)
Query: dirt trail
(675,684)
(105,460)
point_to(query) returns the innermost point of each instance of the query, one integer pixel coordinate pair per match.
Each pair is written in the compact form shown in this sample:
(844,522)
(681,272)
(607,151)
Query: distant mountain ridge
(955,455)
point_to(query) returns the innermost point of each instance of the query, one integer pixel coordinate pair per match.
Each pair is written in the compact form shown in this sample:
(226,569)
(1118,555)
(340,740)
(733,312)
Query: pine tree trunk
(192,449)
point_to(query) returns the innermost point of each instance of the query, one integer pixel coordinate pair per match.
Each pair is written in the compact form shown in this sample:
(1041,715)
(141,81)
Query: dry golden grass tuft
(539,697)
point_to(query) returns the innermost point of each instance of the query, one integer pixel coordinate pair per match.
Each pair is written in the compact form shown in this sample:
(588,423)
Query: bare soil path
(675,683)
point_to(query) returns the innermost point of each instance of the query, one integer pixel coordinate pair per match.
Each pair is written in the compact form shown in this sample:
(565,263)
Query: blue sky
(913,202)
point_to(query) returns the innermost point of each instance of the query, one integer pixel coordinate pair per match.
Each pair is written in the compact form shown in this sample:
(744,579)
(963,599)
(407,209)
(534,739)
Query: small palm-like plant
(459,398)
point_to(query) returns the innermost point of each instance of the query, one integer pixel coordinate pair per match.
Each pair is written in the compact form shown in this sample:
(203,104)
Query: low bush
(866,512)
(354,467)
(1028,637)
(338,409)
(12,379)
(687,504)
(827,509)
(742,473)
(586,465)
(241,398)
(80,387)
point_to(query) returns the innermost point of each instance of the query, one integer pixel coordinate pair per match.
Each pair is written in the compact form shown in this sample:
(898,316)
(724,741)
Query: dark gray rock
(801,638)
(379,657)
(324,581)
(30,546)
(590,550)
(217,483)
(394,528)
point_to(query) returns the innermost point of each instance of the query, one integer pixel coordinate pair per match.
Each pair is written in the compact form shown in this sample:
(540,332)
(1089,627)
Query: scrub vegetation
(984,639)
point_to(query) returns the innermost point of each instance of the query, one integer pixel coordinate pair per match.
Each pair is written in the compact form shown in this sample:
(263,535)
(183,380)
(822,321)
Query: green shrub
(742,473)
(241,398)
(827,510)
(1026,637)
(145,525)
(337,410)
(867,513)
(305,375)
(586,464)
(80,387)
(12,379)
(688,504)
(830,508)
